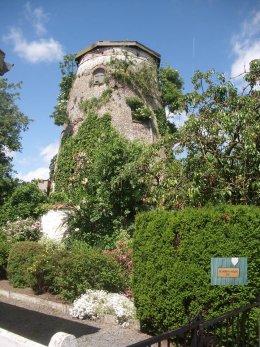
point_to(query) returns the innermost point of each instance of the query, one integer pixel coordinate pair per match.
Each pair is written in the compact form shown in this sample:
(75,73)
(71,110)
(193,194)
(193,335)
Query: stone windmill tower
(126,71)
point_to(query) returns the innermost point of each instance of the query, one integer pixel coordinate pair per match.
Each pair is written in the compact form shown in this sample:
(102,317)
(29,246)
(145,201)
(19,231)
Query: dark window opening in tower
(99,76)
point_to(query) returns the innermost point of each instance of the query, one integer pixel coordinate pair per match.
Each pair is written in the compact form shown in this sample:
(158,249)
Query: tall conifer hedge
(172,256)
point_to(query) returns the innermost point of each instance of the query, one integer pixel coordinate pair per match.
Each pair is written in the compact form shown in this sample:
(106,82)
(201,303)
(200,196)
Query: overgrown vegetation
(67,271)
(106,179)
(21,230)
(89,164)
(24,201)
(94,104)
(221,141)
(21,257)
(12,123)
(68,69)
(139,111)
(172,252)
(5,246)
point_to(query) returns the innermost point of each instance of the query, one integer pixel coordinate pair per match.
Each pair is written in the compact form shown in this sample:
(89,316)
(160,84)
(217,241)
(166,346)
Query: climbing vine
(88,168)
(142,78)
(139,111)
(95,104)
(95,166)
(68,72)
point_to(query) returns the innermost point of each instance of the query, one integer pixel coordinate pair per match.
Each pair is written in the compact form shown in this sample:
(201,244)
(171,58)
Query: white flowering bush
(95,303)
(22,230)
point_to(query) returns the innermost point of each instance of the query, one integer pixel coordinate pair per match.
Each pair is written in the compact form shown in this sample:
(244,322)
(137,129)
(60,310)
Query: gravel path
(39,323)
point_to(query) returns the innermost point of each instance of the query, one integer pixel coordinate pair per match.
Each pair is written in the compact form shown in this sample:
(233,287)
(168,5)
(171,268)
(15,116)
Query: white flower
(98,302)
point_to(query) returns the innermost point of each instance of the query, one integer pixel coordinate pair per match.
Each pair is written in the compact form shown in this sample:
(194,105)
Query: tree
(12,123)
(221,140)
(26,200)
(68,72)
(171,86)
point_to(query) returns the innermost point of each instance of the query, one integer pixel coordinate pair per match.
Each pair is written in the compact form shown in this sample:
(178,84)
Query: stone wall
(84,89)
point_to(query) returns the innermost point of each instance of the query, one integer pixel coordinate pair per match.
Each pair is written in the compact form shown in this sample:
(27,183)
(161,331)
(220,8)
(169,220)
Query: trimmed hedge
(21,258)
(172,253)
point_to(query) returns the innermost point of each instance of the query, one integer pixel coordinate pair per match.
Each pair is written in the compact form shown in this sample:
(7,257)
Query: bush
(25,201)
(172,253)
(46,267)
(139,111)
(22,230)
(21,257)
(4,253)
(86,268)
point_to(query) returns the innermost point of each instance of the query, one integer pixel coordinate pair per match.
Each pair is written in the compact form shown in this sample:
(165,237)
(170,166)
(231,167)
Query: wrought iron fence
(233,329)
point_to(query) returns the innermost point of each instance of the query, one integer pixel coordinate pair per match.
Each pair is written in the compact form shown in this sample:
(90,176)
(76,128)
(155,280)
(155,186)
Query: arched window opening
(99,76)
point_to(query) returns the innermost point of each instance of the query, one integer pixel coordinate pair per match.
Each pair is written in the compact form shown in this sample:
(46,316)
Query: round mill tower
(119,78)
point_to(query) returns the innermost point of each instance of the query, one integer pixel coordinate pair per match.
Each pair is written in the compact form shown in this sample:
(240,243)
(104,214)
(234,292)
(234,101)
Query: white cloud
(246,45)
(35,51)
(43,160)
(40,173)
(48,152)
(42,49)
(37,17)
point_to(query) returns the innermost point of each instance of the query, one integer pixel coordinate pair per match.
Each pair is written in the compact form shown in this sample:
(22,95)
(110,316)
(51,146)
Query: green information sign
(229,271)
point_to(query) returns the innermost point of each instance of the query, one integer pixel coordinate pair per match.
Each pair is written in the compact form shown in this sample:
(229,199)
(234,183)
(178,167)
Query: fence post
(196,332)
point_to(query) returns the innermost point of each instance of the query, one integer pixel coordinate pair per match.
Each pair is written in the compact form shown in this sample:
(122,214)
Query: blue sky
(189,35)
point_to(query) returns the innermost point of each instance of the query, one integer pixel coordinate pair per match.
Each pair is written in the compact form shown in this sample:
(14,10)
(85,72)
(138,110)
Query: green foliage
(47,266)
(139,111)
(88,169)
(165,127)
(21,257)
(68,72)
(52,167)
(160,176)
(253,76)
(142,79)
(5,246)
(25,201)
(220,140)
(171,88)
(88,268)
(172,253)
(70,272)
(21,230)
(7,186)
(94,104)
(12,123)
(58,198)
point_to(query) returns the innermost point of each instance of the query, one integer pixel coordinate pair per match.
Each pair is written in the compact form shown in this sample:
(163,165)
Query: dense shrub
(22,230)
(46,266)
(69,272)
(25,201)
(86,268)
(123,255)
(172,253)
(21,257)
(5,246)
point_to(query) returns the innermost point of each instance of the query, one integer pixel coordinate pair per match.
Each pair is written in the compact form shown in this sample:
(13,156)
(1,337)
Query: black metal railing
(233,329)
